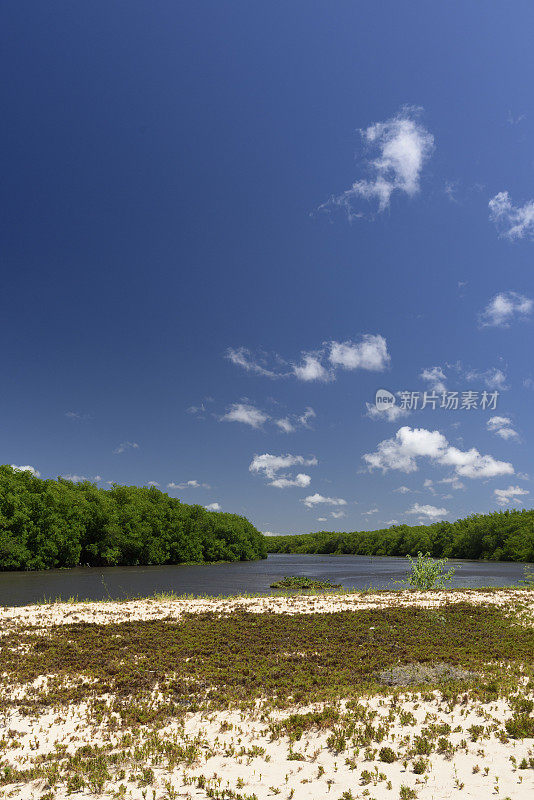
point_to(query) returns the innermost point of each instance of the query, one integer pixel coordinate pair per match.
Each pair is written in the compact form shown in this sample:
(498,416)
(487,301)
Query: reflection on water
(352,572)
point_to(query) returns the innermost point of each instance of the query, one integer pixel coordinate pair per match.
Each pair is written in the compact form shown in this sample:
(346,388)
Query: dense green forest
(501,536)
(58,523)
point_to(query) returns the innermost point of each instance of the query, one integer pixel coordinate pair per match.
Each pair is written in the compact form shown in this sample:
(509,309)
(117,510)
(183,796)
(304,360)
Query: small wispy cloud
(511,120)
(311,369)
(512,221)
(504,308)
(398,149)
(249,414)
(201,409)
(274,469)
(301,480)
(317,499)
(337,514)
(74,478)
(213,507)
(242,357)
(435,377)
(126,446)
(428,511)
(369,353)
(492,378)
(192,484)
(503,427)
(77,416)
(246,414)
(454,482)
(510,495)
(390,413)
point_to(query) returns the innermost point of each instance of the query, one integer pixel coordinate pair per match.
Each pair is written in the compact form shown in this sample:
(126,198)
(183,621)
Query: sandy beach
(398,742)
(107,612)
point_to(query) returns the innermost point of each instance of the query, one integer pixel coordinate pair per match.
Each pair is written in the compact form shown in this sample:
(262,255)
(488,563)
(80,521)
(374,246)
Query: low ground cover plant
(300,582)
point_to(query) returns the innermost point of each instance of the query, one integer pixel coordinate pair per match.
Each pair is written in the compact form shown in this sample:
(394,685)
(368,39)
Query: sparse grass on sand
(393,695)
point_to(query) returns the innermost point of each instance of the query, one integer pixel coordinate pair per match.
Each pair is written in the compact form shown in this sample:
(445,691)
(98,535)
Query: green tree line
(500,536)
(58,523)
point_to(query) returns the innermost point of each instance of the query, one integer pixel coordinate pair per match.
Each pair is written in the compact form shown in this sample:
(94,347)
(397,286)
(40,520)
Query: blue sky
(226,225)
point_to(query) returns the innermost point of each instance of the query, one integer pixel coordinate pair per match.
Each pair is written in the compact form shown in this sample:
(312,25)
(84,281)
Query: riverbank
(360,695)
(174,607)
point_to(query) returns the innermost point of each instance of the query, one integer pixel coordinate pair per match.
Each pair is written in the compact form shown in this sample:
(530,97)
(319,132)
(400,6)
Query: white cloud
(77,416)
(27,468)
(402,490)
(391,413)
(454,482)
(507,496)
(301,480)
(371,511)
(337,514)
(305,418)
(471,464)
(401,453)
(245,413)
(97,478)
(492,378)
(431,512)
(322,519)
(435,377)
(504,308)
(126,446)
(512,221)
(213,507)
(429,484)
(150,483)
(248,414)
(311,369)
(192,484)
(317,499)
(371,354)
(202,408)
(74,478)
(503,427)
(270,466)
(290,423)
(244,358)
(400,147)
(285,425)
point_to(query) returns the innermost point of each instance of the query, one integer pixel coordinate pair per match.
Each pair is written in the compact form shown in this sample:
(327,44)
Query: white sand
(227,760)
(111,612)
(224,755)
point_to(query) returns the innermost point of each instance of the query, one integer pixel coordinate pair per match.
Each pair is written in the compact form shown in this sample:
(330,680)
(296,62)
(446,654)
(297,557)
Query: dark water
(352,572)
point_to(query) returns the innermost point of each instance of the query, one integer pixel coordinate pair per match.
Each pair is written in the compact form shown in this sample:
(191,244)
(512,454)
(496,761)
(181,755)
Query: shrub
(520,726)
(420,766)
(387,755)
(427,573)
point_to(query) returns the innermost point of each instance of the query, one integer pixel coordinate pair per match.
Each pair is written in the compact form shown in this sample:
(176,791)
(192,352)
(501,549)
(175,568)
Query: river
(352,572)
